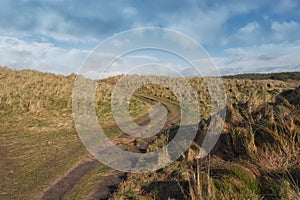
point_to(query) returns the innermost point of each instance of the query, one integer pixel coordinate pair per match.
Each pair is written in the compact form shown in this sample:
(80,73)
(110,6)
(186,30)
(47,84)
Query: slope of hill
(257,156)
(38,139)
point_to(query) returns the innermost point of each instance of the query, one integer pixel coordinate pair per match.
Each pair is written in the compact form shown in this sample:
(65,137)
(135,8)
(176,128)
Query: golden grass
(257,155)
(38,138)
(259,146)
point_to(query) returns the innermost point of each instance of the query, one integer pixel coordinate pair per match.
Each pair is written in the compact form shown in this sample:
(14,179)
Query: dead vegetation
(257,156)
(39,142)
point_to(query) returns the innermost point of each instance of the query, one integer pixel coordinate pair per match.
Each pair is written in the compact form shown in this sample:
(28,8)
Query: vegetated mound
(38,139)
(256,157)
(283,76)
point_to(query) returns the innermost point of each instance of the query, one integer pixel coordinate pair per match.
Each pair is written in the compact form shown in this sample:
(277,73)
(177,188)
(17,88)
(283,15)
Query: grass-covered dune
(257,156)
(38,139)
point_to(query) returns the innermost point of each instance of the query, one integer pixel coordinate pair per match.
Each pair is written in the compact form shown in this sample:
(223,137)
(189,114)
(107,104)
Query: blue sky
(240,36)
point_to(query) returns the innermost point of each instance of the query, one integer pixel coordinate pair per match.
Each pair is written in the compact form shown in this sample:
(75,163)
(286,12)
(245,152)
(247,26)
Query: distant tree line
(283,76)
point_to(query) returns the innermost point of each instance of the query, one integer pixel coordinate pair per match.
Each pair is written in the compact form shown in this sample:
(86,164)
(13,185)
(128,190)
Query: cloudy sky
(240,36)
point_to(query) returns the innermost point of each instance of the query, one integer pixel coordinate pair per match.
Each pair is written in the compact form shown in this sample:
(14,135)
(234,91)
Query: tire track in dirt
(65,183)
(110,183)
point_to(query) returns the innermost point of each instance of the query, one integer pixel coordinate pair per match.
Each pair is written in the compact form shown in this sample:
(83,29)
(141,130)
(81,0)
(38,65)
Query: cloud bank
(241,36)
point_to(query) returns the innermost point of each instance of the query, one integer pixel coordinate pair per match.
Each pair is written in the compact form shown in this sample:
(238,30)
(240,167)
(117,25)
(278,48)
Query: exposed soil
(66,182)
(109,183)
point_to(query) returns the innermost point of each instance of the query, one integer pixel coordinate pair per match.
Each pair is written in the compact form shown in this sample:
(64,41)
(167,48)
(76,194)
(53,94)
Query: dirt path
(65,183)
(108,185)
(110,182)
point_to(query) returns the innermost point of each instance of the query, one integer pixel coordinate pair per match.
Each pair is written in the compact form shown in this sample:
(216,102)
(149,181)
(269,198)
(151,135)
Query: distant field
(283,76)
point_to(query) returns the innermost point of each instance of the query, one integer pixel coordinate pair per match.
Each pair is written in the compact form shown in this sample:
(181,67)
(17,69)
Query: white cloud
(249,28)
(179,39)
(129,11)
(208,24)
(203,26)
(285,6)
(18,53)
(250,34)
(118,43)
(144,57)
(263,58)
(286,30)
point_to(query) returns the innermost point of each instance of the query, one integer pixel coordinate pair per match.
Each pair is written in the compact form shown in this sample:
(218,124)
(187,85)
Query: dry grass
(257,156)
(259,146)
(38,138)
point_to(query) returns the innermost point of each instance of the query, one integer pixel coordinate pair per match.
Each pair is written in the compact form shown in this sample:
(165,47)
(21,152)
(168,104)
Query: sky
(240,36)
